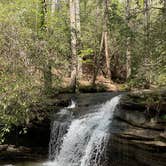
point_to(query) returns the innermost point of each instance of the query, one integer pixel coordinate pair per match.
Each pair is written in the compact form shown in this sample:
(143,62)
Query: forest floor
(102,85)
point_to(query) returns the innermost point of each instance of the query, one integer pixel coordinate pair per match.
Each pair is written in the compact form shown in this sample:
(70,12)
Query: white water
(84,143)
(73,104)
(58,130)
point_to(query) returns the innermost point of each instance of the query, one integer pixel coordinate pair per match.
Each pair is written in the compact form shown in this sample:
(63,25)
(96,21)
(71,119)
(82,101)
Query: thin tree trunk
(107,54)
(74,58)
(146,33)
(128,59)
(96,53)
(164,11)
(128,47)
(106,39)
(97,61)
(78,34)
(53,3)
(146,25)
(43,15)
(47,74)
(76,62)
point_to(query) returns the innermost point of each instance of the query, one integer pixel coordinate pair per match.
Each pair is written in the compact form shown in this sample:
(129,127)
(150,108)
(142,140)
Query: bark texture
(76,66)
(128,47)
(106,38)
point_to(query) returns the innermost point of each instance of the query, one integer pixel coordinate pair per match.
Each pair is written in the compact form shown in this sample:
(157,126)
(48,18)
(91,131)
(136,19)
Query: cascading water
(57,133)
(86,138)
(58,130)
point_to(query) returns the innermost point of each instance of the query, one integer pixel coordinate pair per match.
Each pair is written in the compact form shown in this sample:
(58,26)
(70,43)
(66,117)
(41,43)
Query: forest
(48,47)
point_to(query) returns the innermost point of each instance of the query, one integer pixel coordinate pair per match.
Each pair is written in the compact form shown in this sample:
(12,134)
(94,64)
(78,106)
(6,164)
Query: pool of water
(39,163)
(29,163)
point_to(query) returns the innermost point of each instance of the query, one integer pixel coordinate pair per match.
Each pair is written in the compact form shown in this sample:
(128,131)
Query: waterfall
(58,130)
(85,140)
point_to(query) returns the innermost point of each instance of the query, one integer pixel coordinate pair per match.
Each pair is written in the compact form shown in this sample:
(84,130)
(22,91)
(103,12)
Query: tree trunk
(146,43)
(74,58)
(43,15)
(97,54)
(53,3)
(76,63)
(78,34)
(128,47)
(47,74)
(146,25)
(107,54)
(97,61)
(164,10)
(106,39)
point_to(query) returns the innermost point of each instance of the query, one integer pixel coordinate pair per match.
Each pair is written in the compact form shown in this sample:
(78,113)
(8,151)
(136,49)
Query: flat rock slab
(138,132)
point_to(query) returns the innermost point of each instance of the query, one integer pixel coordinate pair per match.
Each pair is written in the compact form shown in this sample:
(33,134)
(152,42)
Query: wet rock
(31,145)
(138,135)
(153,101)
(18,153)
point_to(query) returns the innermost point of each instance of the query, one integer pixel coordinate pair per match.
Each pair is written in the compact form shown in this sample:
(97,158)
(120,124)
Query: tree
(128,51)
(146,43)
(74,58)
(47,64)
(164,7)
(76,66)
(106,38)
(53,5)
(78,33)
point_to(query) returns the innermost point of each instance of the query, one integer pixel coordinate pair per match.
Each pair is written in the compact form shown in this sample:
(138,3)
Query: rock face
(138,131)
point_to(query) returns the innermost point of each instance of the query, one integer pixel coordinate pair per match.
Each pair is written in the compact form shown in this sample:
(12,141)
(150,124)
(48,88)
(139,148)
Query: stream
(79,140)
